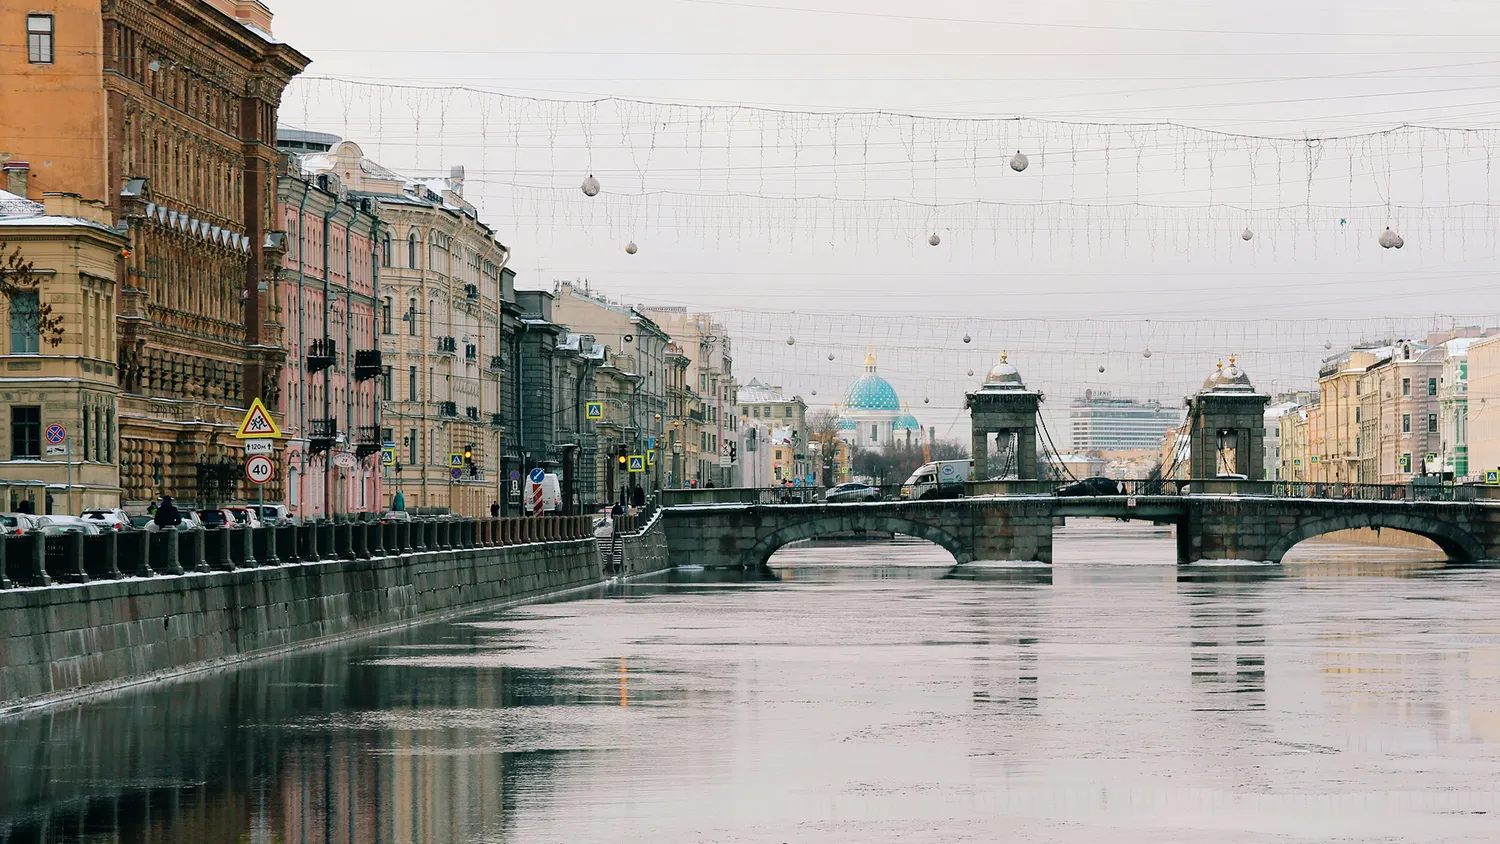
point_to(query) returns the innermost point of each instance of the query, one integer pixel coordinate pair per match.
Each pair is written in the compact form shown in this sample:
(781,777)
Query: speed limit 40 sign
(260,469)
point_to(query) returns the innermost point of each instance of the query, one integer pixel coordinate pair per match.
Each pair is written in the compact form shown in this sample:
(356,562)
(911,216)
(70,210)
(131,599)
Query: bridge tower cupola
(1003,410)
(1226,419)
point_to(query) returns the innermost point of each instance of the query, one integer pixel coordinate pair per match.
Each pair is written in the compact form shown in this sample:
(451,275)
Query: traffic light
(621,456)
(469,453)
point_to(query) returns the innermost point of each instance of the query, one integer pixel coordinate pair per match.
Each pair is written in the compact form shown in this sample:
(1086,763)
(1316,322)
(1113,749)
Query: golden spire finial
(1219,364)
(870,355)
(1231,359)
(1004,356)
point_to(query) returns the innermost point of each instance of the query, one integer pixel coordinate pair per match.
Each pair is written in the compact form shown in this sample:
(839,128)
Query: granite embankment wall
(61,642)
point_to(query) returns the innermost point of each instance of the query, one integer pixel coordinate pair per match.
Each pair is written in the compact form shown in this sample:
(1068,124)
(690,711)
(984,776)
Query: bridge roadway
(1019,527)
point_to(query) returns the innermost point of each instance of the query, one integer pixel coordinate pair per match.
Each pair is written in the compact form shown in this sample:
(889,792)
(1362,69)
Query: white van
(551,494)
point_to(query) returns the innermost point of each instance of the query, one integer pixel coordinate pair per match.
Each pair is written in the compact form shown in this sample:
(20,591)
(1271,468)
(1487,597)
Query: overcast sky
(730,240)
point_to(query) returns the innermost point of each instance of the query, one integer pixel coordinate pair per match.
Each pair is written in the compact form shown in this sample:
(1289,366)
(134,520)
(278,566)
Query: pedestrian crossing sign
(593,410)
(388,456)
(637,463)
(651,457)
(455,460)
(257,423)
(1492,477)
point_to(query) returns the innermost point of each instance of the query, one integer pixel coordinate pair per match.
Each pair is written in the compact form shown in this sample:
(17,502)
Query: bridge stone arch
(1457,543)
(812,528)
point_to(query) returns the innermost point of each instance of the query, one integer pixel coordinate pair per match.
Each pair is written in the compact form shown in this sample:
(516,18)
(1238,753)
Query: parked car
(59,525)
(15,524)
(143,522)
(214,518)
(395,516)
(273,514)
(1231,476)
(115,519)
(244,516)
(1092,486)
(853,491)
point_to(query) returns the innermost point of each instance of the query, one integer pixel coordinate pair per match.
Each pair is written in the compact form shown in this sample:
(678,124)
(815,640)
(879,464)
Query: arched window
(411,250)
(385,250)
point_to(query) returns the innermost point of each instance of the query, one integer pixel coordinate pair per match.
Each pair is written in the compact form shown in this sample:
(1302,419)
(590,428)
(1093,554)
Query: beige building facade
(440,314)
(73,251)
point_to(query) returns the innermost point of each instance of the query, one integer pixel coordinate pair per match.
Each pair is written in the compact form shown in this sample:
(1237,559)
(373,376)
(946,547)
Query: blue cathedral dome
(870,391)
(906,422)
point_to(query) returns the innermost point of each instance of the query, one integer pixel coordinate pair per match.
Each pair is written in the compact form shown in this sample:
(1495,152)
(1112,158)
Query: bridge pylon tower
(1003,406)
(1226,421)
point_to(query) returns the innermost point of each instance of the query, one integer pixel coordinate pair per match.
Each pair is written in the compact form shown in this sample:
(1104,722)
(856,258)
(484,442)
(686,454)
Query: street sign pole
(69,458)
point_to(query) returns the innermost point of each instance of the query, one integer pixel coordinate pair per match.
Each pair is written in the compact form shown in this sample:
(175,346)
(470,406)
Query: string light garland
(734,173)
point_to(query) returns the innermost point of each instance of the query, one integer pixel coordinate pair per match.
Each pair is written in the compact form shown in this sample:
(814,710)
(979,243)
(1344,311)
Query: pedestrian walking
(495,510)
(167,514)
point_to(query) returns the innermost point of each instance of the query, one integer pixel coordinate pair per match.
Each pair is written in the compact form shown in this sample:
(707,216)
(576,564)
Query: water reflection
(867,693)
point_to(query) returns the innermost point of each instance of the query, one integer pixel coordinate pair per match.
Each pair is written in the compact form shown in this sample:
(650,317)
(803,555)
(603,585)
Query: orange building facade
(166,111)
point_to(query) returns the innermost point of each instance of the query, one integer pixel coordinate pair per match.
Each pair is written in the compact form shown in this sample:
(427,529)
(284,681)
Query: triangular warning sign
(257,423)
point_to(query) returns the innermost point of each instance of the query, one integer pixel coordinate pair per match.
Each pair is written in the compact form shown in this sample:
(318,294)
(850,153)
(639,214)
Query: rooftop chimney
(17,177)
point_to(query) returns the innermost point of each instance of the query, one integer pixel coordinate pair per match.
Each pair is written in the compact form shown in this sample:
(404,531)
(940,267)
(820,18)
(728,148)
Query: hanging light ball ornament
(934,240)
(590,185)
(1147,353)
(830,355)
(1391,240)
(1019,161)
(1101,367)
(1327,344)
(968,339)
(1247,234)
(630,248)
(971,373)
(791,341)
(926,400)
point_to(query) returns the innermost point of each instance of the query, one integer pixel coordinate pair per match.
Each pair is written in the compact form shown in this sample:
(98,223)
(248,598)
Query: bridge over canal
(1019,527)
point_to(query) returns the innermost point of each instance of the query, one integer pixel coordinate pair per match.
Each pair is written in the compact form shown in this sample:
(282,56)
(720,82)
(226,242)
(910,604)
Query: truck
(551,492)
(938,479)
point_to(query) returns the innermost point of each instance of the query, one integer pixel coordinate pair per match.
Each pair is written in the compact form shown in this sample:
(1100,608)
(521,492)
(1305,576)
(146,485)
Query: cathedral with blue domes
(871,414)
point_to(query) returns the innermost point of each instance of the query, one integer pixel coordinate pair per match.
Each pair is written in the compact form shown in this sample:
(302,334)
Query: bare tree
(18,278)
(823,430)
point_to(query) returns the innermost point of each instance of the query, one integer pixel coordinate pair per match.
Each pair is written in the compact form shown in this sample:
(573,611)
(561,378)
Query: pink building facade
(332,382)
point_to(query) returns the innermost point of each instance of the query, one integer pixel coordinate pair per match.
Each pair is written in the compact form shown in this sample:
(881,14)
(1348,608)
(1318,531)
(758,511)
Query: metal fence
(35,559)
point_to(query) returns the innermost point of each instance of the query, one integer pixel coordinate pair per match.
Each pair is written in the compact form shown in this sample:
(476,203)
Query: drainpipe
(349,328)
(302,340)
(327,373)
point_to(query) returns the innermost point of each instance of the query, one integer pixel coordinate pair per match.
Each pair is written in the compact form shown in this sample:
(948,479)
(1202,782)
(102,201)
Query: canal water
(854,693)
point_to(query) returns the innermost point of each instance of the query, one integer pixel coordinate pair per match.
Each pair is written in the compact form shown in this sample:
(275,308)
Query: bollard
(343,538)
(307,543)
(190,551)
(286,543)
(391,538)
(247,546)
(101,556)
(359,540)
(419,536)
(34,545)
(326,549)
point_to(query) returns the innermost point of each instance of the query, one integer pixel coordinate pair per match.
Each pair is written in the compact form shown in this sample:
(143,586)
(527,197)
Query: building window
(24,314)
(385,315)
(874,433)
(411,250)
(1405,386)
(385,250)
(1432,423)
(25,431)
(39,39)
(411,384)
(787,411)
(1406,423)
(756,410)
(1432,386)
(411,317)
(411,448)
(385,382)
(1356,414)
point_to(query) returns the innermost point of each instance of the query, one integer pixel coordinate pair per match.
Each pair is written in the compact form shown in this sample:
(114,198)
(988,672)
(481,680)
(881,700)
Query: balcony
(366,364)
(497,363)
(471,352)
(447,345)
(497,420)
(448,409)
(367,441)
(322,433)
(471,291)
(321,355)
(472,412)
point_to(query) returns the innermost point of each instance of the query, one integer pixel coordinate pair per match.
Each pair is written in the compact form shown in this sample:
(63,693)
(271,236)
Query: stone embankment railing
(34,559)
